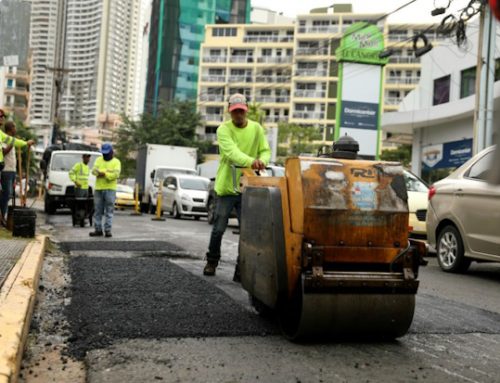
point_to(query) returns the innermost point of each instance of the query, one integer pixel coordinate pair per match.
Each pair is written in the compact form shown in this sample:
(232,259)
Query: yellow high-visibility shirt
(79,173)
(111,168)
(9,140)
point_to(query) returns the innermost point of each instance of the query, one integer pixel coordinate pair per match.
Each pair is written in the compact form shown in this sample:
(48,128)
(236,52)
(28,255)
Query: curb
(17,300)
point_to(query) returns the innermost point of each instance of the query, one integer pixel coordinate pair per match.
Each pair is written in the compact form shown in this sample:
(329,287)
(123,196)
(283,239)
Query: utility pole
(58,82)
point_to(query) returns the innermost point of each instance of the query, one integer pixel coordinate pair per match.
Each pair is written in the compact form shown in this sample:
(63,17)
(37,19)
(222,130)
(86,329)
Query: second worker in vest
(79,174)
(107,171)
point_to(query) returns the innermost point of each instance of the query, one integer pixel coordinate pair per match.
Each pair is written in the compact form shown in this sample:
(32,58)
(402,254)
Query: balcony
(392,100)
(311,72)
(273,99)
(320,29)
(275,119)
(214,59)
(275,59)
(272,79)
(268,39)
(241,78)
(402,80)
(404,60)
(212,97)
(241,59)
(317,51)
(18,91)
(310,93)
(398,37)
(214,117)
(309,115)
(213,78)
(20,74)
(209,137)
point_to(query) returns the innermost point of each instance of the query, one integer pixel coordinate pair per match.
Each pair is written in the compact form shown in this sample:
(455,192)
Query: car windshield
(194,183)
(413,184)
(164,172)
(65,161)
(124,189)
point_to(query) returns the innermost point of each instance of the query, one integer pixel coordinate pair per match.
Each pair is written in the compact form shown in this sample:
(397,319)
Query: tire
(263,310)
(211,211)
(175,211)
(196,217)
(450,251)
(49,206)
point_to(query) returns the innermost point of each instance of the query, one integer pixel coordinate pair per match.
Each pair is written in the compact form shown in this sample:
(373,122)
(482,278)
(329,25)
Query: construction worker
(8,162)
(242,142)
(107,170)
(79,174)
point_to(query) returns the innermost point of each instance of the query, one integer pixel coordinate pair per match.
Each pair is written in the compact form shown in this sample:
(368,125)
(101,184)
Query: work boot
(108,234)
(97,233)
(210,268)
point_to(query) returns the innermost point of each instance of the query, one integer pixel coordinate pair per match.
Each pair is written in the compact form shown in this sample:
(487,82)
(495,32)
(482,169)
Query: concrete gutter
(17,300)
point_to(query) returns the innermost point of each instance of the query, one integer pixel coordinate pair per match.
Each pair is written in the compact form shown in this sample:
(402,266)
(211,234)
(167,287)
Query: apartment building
(291,69)
(14,88)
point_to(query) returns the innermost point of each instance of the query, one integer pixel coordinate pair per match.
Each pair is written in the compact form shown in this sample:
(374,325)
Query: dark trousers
(224,205)
(8,179)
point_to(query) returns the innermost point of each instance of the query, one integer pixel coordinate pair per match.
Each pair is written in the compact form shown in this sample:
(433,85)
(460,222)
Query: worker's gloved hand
(258,165)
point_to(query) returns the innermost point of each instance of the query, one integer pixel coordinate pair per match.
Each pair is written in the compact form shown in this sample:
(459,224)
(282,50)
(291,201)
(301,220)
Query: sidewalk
(10,252)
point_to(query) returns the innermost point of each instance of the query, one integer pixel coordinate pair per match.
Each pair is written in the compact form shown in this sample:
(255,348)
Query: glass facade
(177,31)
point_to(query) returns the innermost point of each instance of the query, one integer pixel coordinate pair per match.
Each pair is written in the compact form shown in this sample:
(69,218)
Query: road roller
(326,248)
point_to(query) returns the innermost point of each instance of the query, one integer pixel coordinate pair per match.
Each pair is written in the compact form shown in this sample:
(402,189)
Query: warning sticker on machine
(363,195)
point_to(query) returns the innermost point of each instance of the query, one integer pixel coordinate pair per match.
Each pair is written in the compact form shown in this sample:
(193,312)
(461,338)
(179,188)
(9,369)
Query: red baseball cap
(238,101)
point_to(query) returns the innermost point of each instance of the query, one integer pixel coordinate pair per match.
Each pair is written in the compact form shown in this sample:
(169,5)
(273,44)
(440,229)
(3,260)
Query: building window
(467,82)
(441,90)
(223,32)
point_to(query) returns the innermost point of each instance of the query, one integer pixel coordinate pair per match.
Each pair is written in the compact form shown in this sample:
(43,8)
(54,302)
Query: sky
(418,12)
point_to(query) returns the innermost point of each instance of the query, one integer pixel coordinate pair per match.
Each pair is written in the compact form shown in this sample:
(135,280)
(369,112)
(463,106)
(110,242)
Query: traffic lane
(429,358)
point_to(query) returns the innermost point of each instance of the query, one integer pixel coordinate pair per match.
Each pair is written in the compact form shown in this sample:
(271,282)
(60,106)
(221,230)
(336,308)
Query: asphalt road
(136,308)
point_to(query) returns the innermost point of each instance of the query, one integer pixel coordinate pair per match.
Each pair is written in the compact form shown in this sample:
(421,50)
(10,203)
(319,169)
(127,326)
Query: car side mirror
(172,187)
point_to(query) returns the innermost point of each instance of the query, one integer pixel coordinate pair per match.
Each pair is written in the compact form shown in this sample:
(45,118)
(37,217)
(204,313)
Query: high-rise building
(14,30)
(177,30)
(291,70)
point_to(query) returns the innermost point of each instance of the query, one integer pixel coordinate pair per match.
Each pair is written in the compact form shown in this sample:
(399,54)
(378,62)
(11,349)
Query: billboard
(447,155)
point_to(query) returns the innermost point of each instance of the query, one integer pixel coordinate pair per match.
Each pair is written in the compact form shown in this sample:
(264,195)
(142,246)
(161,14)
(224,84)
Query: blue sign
(359,115)
(448,155)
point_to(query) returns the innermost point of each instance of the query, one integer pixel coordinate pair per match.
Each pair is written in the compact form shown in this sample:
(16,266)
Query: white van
(58,186)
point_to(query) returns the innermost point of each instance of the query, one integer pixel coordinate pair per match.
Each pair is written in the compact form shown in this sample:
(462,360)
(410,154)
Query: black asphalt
(104,244)
(117,298)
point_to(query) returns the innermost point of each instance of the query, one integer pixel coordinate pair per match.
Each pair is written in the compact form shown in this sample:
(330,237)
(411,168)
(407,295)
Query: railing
(274,59)
(240,78)
(398,37)
(404,60)
(213,78)
(310,93)
(268,39)
(309,115)
(209,136)
(214,59)
(214,117)
(310,72)
(320,29)
(241,59)
(271,99)
(274,119)
(392,100)
(402,80)
(312,51)
(272,78)
(212,97)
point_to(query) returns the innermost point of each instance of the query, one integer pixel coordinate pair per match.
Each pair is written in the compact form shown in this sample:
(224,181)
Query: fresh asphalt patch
(128,298)
(104,244)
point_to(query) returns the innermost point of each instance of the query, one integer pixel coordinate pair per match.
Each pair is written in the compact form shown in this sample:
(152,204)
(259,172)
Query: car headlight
(185,197)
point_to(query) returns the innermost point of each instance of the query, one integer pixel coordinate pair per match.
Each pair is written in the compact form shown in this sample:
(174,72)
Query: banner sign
(359,104)
(447,155)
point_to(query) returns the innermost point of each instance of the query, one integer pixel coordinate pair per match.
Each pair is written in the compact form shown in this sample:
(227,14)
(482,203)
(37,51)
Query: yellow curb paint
(17,301)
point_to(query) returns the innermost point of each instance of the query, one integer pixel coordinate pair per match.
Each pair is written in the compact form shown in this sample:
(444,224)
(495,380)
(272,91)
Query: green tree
(400,154)
(295,139)
(255,113)
(175,124)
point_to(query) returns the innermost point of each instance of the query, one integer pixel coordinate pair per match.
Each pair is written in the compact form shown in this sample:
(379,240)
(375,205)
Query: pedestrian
(107,171)
(79,174)
(9,164)
(242,142)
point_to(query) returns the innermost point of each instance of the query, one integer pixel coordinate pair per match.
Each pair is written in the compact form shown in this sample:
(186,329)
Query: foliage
(174,124)
(295,139)
(255,113)
(400,154)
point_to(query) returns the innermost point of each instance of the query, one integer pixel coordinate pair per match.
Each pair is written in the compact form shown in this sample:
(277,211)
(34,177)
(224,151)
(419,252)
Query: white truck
(58,187)
(154,163)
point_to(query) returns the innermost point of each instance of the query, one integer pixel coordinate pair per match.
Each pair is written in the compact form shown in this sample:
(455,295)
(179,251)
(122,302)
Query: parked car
(185,195)
(272,170)
(417,205)
(124,196)
(463,215)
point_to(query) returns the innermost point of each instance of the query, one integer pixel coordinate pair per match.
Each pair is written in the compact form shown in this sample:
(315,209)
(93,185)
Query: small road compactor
(326,247)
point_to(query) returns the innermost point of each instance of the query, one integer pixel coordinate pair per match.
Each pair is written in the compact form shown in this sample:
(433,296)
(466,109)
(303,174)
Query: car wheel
(49,206)
(175,211)
(196,217)
(211,211)
(450,251)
